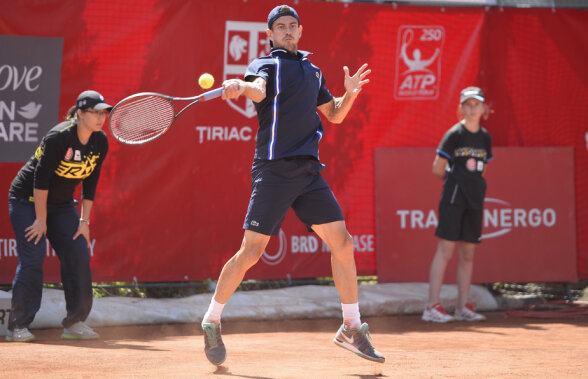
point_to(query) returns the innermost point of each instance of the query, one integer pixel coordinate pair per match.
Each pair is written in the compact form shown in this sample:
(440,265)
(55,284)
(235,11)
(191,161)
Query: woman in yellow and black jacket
(41,205)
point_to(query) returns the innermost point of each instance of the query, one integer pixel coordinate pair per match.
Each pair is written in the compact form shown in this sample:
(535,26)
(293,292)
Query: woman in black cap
(461,160)
(41,205)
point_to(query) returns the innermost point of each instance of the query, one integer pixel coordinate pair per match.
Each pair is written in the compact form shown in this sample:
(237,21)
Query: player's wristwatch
(85,221)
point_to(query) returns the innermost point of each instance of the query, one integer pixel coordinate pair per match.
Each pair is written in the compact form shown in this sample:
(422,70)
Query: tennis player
(41,205)
(461,160)
(287,89)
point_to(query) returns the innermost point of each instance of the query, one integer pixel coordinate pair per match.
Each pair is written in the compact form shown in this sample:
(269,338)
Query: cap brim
(477,97)
(102,106)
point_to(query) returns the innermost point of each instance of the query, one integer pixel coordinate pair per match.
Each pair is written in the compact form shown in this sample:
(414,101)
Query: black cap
(471,93)
(92,99)
(279,11)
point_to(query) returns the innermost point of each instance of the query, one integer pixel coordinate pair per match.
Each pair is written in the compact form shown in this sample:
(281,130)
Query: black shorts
(291,182)
(459,223)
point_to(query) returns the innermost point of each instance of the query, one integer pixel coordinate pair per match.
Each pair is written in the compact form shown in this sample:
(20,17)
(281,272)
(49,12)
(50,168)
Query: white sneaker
(437,313)
(19,335)
(79,331)
(468,313)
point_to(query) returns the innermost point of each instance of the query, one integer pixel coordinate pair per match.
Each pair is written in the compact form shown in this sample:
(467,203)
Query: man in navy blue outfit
(287,89)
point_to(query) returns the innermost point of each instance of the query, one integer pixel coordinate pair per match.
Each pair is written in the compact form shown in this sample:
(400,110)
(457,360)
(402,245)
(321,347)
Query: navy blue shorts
(291,182)
(459,223)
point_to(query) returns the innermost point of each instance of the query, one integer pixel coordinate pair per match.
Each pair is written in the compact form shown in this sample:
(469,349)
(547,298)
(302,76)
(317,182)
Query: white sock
(214,312)
(351,316)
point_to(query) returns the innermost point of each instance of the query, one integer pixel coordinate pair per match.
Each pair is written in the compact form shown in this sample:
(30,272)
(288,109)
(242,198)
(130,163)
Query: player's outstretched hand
(354,83)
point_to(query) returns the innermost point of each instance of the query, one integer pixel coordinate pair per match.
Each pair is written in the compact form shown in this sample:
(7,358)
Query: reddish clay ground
(501,347)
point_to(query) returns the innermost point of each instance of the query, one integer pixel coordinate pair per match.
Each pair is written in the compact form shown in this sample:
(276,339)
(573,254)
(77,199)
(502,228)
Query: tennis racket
(145,116)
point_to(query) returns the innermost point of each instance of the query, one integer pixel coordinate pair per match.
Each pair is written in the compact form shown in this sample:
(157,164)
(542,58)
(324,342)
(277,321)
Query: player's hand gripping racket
(145,116)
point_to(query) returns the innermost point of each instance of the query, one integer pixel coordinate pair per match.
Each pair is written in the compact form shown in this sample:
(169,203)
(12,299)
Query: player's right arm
(254,90)
(439,166)
(39,227)
(48,157)
(444,152)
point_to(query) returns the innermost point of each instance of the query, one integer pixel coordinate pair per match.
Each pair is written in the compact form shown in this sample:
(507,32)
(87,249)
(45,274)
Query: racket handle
(211,94)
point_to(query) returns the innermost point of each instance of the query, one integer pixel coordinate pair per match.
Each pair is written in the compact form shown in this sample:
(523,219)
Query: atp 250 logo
(418,62)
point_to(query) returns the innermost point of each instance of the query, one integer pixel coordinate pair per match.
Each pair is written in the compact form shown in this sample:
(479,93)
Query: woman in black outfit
(41,205)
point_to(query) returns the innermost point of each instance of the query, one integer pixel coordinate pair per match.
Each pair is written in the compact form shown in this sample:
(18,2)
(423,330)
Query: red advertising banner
(173,210)
(528,223)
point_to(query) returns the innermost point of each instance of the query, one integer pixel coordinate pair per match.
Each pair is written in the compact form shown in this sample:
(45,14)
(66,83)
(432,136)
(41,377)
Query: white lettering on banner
(224,133)
(505,219)
(9,111)
(311,244)
(11,130)
(418,83)
(50,252)
(519,218)
(432,35)
(91,247)
(10,75)
(17,131)
(363,243)
(304,244)
(416,218)
(8,247)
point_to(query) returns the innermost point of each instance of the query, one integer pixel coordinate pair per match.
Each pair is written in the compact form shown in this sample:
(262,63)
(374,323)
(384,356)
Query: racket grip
(212,94)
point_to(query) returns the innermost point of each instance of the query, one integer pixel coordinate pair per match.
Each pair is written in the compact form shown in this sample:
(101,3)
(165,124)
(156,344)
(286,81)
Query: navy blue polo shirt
(289,124)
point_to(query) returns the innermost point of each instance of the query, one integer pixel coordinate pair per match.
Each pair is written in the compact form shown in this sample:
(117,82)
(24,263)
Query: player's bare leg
(231,276)
(252,248)
(464,311)
(434,311)
(335,235)
(442,256)
(465,267)
(354,338)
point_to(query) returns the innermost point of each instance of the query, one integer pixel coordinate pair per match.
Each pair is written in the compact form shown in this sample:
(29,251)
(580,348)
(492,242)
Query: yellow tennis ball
(206,80)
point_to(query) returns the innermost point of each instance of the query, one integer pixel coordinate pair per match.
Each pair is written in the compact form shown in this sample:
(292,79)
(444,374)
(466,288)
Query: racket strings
(141,118)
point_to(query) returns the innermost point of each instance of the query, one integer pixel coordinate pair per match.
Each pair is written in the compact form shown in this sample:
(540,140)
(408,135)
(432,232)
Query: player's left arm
(336,110)
(89,185)
(440,166)
(84,225)
(489,154)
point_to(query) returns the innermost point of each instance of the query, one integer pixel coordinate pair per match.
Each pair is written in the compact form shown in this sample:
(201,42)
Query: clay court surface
(501,347)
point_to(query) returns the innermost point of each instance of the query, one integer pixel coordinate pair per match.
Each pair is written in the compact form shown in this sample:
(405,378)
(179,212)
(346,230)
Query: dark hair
(72,113)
